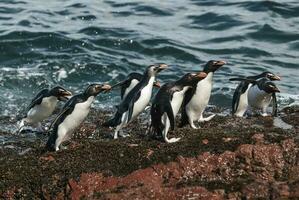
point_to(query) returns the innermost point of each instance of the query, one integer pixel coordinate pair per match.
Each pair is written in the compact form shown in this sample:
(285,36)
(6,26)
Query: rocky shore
(228,158)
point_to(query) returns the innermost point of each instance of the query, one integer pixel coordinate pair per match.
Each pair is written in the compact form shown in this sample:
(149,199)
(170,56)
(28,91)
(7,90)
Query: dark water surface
(73,43)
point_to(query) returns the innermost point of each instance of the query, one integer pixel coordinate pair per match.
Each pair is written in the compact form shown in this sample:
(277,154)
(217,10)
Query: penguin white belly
(73,120)
(42,111)
(177,100)
(243,103)
(201,97)
(133,83)
(144,99)
(258,98)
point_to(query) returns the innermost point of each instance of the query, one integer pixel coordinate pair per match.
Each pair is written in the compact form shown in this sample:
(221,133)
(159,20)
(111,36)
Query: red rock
(47,158)
(258,138)
(133,145)
(149,152)
(290,151)
(270,159)
(294,191)
(229,139)
(280,190)
(245,151)
(294,173)
(205,141)
(261,162)
(256,190)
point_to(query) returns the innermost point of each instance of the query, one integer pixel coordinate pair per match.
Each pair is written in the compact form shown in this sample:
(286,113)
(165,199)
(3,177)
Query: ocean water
(76,42)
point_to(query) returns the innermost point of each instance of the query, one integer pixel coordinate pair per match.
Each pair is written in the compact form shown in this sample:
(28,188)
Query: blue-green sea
(75,42)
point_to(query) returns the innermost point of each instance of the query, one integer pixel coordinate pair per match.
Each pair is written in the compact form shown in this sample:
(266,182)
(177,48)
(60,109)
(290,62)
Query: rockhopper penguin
(197,98)
(129,83)
(167,103)
(240,97)
(261,94)
(42,106)
(72,115)
(136,100)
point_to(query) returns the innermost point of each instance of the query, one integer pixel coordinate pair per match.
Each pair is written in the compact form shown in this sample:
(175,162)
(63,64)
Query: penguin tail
(50,145)
(156,127)
(113,122)
(184,119)
(109,123)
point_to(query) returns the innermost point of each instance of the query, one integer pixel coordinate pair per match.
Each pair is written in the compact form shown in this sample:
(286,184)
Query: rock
(227,159)
(280,190)
(258,138)
(47,158)
(256,190)
(205,141)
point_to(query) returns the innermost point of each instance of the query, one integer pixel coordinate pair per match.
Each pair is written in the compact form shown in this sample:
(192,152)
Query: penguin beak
(65,95)
(157,84)
(276,78)
(106,87)
(275,89)
(220,63)
(162,66)
(201,75)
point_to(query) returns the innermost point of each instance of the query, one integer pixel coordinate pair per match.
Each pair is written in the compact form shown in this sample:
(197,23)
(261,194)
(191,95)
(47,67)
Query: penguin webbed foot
(202,119)
(265,114)
(172,140)
(194,126)
(124,135)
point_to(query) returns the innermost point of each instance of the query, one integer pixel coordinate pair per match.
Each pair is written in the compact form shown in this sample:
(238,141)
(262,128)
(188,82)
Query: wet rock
(294,190)
(205,141)
(227,158)
(256,190)
(280,190)
(258,138)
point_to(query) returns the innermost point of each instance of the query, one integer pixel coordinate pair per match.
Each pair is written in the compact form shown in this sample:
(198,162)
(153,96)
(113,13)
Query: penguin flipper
(50,145)
(37,99)
(236,99)
(131,105)
(184,119)
(68,107)
(170,114)
(274,105)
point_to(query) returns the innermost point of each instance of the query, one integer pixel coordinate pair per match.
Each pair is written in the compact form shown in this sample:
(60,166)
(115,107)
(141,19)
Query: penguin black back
(162,101)
(210,67)
(68,109)
(128,102)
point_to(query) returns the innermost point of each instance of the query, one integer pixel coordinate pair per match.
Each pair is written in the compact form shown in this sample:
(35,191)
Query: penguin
(135,102)
(197,98)
(261,94)
(168,102)
(72,115)
(129,83)
(240,100)
(42,106)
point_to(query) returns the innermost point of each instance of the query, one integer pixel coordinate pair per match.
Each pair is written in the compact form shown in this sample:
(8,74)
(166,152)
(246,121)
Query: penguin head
(95,89)
(213,65)
(153,70)
(270,76)
(270,87)
(61,93)
(191,79)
